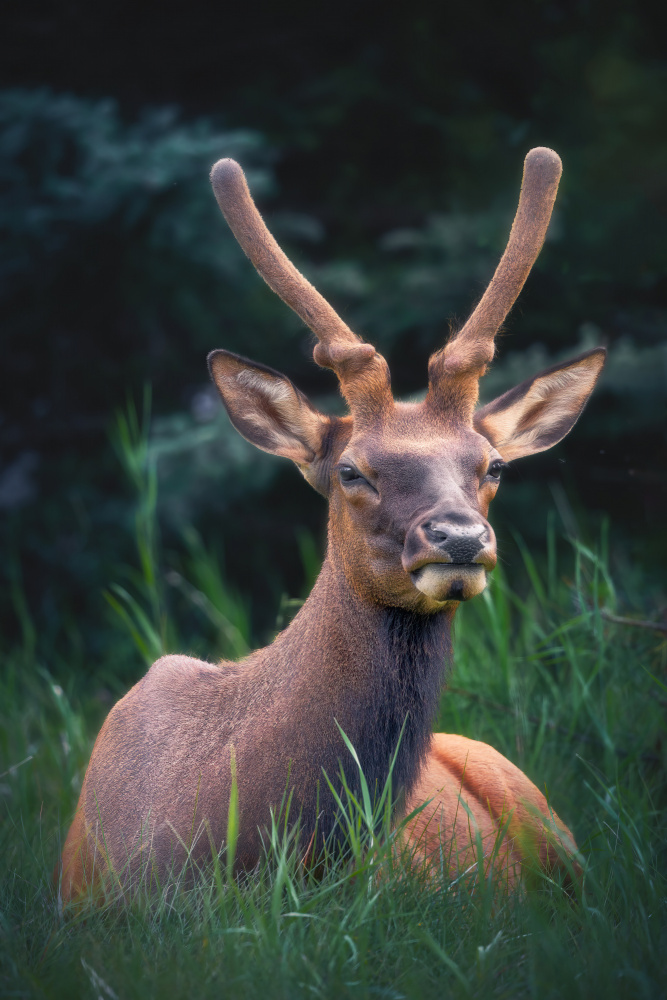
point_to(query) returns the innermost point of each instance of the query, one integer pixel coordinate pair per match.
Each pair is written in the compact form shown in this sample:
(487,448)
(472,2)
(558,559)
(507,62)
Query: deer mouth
(444,582)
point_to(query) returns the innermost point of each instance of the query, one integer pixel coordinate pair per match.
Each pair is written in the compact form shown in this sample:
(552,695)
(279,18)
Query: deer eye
(348,474)
(496,468)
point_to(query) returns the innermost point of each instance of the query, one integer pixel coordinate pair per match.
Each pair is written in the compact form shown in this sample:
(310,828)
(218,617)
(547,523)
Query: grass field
(574,697)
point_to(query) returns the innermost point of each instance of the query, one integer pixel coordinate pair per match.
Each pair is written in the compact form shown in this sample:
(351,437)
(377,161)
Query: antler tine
(236,204)
(473,347)
(363,373)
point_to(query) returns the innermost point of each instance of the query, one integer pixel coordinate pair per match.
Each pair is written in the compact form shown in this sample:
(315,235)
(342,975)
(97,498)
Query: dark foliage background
(385,147)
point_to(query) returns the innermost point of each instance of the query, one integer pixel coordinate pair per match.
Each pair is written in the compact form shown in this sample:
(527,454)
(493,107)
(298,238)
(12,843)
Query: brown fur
(409,487)
(475,796)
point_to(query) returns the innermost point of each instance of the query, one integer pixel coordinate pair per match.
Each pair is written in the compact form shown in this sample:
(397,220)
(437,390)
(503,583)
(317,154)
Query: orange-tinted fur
(476,797)
(409,487)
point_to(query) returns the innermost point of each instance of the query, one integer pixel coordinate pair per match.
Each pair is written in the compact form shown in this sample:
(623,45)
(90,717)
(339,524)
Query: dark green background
(385,147)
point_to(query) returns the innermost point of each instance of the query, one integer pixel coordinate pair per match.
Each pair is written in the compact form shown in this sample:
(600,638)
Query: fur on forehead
(421,421)
(415,428)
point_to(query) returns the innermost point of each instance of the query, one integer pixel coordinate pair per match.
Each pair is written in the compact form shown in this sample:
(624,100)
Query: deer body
(171,737)
(409,487)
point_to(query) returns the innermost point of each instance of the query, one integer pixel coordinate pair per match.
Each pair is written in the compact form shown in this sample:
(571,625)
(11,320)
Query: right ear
(539,413)
(269,411)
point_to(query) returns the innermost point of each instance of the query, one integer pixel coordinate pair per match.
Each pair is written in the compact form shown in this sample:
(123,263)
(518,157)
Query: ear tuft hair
(538,414)
(267,409)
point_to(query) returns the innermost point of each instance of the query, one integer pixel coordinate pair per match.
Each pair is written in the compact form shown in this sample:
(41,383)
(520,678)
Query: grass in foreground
(575,699)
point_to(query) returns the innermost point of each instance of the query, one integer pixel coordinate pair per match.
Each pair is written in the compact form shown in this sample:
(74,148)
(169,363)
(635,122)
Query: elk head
(409,484)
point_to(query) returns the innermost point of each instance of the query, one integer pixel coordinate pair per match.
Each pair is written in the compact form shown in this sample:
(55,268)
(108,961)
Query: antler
(470,351)
(363,372)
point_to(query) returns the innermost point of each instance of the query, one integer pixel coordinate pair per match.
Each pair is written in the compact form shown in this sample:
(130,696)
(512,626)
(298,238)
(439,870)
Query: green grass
(544,675)
(575,700)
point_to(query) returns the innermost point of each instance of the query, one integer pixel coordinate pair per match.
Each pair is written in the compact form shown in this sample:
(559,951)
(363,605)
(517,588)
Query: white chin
(450,581)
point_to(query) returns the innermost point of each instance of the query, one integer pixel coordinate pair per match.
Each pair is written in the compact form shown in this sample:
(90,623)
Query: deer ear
(539,413)
(267,409)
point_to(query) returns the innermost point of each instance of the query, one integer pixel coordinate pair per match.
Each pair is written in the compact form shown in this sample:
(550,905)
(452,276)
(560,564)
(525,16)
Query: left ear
(268,409)
(539,413)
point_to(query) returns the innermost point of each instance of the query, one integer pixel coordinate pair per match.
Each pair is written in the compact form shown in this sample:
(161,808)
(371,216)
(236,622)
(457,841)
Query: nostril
(435,532)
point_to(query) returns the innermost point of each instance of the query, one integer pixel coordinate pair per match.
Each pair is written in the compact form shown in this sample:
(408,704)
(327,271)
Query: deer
(409,486)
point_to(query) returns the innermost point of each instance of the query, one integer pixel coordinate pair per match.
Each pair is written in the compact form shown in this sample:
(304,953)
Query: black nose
(461,542)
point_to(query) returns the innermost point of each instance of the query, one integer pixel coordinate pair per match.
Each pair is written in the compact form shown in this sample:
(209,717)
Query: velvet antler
(465,358)
(363,373)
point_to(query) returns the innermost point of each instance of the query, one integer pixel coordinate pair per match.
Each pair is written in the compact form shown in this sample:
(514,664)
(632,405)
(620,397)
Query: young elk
(409,487)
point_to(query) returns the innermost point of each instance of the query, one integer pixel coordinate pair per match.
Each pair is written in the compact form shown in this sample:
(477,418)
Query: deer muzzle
(449,561)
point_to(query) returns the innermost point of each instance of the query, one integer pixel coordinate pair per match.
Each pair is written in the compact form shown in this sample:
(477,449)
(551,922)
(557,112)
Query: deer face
(409,488)
(408,505)
(409,485)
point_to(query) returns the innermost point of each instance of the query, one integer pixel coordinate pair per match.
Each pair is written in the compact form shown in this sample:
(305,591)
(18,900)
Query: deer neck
(375,670)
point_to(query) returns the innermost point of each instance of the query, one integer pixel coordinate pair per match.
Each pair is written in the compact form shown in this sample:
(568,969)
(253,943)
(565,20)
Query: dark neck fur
(374,669)
(409,665)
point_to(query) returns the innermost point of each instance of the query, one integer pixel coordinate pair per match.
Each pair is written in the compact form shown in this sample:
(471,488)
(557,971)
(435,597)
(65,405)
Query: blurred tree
(391,141)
